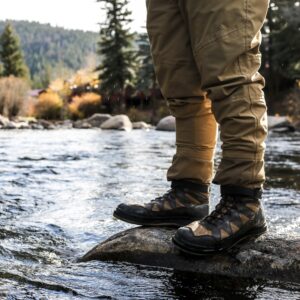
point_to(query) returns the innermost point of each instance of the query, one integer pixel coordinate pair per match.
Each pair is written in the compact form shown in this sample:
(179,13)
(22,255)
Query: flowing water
(57,194)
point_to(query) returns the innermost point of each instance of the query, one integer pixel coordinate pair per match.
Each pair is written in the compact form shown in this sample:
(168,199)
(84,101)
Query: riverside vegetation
(113,72)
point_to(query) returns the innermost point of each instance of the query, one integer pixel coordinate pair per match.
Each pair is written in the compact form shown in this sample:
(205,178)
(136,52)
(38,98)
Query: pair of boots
(239,216)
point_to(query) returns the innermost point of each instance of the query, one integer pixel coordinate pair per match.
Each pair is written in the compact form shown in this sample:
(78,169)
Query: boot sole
(251,235)
(174,222)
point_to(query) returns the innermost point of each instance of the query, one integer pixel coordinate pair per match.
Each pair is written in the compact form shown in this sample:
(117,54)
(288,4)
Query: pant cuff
(202,188)
(234,190)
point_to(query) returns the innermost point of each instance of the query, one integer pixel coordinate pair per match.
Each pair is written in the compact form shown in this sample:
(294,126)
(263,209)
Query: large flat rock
(268,258)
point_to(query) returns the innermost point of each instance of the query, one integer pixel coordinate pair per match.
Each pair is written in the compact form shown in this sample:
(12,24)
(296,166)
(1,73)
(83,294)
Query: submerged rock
(166,124)
(119,122)
(268,258)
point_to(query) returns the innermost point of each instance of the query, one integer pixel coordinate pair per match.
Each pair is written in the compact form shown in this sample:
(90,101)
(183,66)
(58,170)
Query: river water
(57,194)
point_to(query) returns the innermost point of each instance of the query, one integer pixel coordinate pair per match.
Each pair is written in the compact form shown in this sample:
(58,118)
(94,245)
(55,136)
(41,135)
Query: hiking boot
(184,203)
(237,218)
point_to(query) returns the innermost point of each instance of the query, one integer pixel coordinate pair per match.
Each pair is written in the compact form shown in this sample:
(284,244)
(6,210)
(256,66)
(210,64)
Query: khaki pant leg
(196,131)
(225,39)
(180,82)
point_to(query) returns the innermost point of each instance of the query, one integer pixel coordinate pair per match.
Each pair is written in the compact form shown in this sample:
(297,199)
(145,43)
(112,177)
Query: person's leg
(180,84)
(225,39)
(196,131)
(179,79)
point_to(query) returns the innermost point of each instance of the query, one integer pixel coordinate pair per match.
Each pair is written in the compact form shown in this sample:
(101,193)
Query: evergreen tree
(115,48)
(146,75)
(281,46)
(11,54)
(286,39)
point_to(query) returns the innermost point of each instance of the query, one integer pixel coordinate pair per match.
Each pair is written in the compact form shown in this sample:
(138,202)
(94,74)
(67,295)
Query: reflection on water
(59,188)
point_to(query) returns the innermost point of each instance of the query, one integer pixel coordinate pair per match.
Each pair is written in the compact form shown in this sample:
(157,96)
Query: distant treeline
(124,63)
(52,52)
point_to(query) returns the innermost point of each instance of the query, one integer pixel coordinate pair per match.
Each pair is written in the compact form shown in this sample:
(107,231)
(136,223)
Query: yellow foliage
(57,85)
(49,106)
(85,105)
(83,77)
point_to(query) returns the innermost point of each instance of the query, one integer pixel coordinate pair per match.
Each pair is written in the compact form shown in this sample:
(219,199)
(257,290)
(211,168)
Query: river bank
(122,122)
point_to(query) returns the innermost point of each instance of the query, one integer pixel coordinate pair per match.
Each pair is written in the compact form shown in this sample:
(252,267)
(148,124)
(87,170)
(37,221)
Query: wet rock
(37,127)
(4,121)
(97,120)
(166,124)
(29,120)
(286,129)
(46,124)
(51,127)
(119,122)
(82,124)
(140,125)
(11,125)
(280,124)
(297,125)
(67,124)
(23,125)
(267,258)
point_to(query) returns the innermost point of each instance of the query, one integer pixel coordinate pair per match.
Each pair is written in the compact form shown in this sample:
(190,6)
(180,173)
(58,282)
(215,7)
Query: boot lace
(164,197)
(225,207)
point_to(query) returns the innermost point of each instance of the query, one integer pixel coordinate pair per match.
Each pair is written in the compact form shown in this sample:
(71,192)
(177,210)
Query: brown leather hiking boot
(184,203)
(239,216)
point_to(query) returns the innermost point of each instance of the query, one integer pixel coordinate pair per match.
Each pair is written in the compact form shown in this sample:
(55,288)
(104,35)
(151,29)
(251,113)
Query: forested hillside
(52,52)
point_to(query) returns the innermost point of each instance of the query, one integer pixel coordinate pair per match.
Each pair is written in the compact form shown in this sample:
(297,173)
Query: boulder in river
(82,124)
(96,120)
(23,125)
(297,125)
(119,122)
(66,124)
(140,125)
(267,258)
(166,124)
(29,120)
(11,125)
(37,126)
(46,124)
(4,121)
(280,124)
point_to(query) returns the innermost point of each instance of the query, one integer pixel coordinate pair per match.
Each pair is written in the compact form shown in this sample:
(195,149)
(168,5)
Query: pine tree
(116,49)
(11,54)
(281,46)
(146,75)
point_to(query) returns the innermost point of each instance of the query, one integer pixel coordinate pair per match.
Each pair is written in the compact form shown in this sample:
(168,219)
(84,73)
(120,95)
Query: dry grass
(13,92)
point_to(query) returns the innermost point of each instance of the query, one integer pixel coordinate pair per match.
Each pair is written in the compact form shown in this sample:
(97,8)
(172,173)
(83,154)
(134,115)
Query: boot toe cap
(186,238)
(131,209)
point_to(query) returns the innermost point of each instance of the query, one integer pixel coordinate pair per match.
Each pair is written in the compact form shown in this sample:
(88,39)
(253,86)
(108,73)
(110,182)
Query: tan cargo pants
(210,49)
